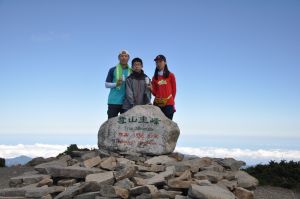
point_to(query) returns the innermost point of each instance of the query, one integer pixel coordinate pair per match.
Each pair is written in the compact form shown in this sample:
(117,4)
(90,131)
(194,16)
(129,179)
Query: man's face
(137,66)
(123,58)
(160,64)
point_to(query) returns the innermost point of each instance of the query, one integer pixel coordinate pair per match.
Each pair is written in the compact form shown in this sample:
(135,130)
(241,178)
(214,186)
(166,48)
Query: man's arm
(109,79)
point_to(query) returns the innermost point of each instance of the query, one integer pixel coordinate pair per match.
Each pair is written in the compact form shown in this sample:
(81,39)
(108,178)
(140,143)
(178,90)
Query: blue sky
(237,63)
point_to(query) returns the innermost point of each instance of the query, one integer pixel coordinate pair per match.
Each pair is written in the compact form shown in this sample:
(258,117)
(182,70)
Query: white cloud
(35,150)
(249,156)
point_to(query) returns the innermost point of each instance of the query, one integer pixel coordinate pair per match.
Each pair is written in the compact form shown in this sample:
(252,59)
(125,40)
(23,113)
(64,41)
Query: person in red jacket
(163,87)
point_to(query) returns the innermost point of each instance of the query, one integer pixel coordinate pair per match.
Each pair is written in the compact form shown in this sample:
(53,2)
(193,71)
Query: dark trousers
(114,110)
(168,111)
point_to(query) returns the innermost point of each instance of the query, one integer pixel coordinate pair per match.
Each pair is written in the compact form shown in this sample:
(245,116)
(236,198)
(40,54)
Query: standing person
(163,87)
(137,90)
(115,80)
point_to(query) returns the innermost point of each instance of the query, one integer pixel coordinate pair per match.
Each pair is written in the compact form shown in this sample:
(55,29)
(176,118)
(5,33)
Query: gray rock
(89,195)
(61,162)
(166,194)
(203,182)
(24,180)
(89,154)
(226,184)
(230,163)
(180,197)
(125,183)
(127,172)
(209,192)
(43,191)
(70,172)
(245,180)
(77,189)
(162,159)
(46,181)
(139,190)
(66,182)
(156,133)
(152,168)
(39,160)
(194,164)
(180,184)
(144,196)
(212,176)
(155,180)
(30,191)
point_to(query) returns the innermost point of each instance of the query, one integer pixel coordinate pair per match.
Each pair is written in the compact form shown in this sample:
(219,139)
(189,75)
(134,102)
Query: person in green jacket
(115,80)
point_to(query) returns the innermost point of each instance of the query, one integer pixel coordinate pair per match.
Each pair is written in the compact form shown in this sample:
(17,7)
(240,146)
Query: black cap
(160,57)
(137,59)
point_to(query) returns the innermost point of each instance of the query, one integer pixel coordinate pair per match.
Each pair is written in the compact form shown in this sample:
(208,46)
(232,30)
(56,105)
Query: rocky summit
(142,129)
(135,160)
(104,175)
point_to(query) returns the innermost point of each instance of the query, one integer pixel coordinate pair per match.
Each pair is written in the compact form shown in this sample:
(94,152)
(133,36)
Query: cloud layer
(249,156)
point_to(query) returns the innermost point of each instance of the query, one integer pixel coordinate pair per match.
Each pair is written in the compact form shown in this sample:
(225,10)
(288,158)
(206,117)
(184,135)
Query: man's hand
(149,87)
(119,82)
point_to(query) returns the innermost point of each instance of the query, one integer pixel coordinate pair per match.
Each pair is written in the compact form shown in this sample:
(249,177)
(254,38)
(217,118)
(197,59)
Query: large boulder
(143,129)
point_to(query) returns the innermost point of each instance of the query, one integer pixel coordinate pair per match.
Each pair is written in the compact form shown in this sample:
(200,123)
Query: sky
(236,63)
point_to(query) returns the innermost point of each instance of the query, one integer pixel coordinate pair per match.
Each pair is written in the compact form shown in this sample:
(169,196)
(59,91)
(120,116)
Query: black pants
(114,110)
(168,111)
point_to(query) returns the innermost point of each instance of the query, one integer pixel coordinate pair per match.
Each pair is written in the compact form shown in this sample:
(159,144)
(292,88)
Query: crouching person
(137,86)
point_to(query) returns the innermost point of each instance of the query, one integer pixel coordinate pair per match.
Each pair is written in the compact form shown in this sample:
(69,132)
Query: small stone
(123,162)
(230,163)
(231,185)
(162,159)
(213,191)
(24,180)
(66,182)
(193,164)
(109,163)
(245,180)
(125,183)
(126,172)
(180,197)
(76,189)
(61,162)
(139,181)
(166,194)
(46,181)
(89,155)
(212,176)
(89,195)
(203,182)
(111,191)
(43,191)
(242,193)
(71,172)
(92,162)
(178,156)
(180,184)
(139,190)
(156,180)
(102,178)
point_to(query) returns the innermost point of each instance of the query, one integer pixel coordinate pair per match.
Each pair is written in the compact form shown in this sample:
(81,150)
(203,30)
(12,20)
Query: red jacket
(164,88)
